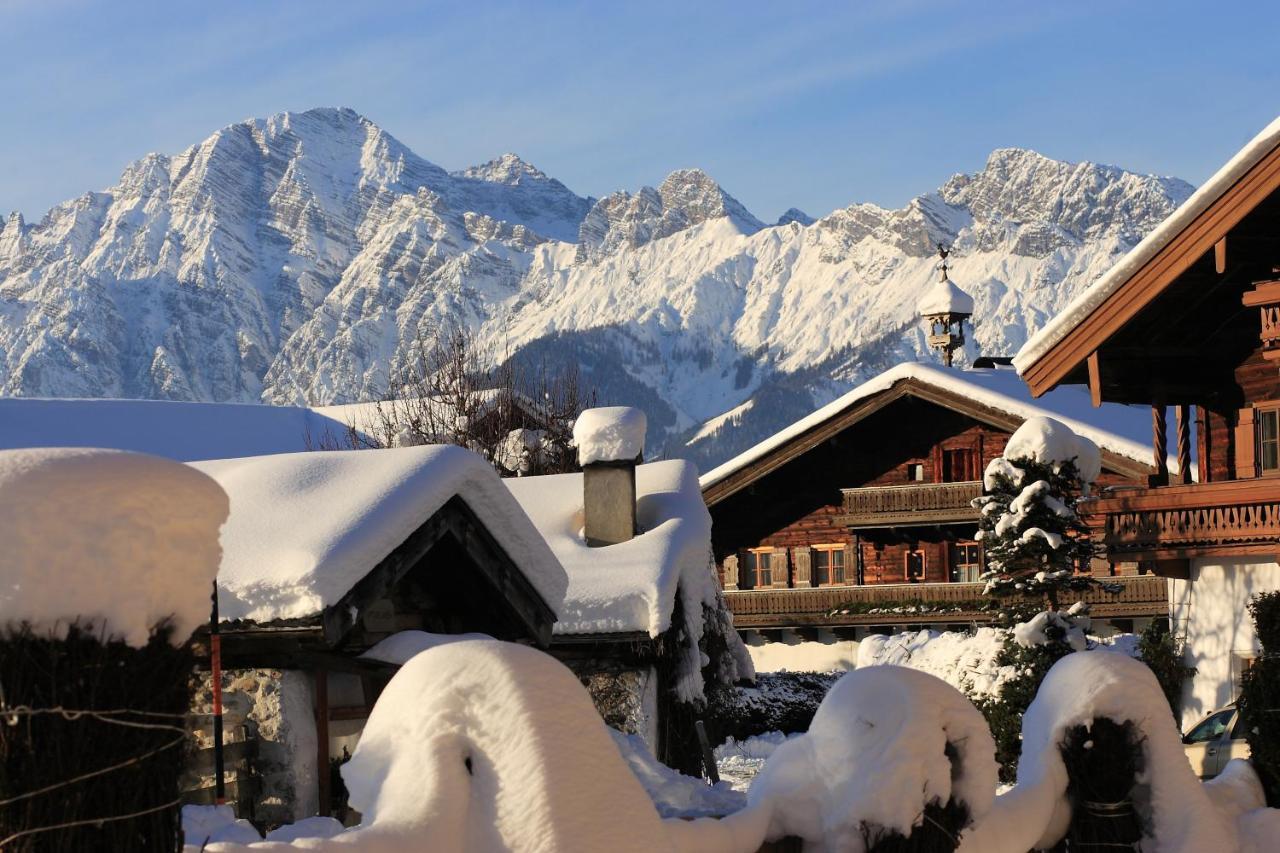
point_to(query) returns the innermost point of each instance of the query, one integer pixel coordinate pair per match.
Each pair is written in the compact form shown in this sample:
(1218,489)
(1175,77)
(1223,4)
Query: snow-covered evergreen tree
(1031,532)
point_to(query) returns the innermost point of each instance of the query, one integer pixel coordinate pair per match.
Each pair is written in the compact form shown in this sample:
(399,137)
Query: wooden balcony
(1235,517)
(919,603)
(912,504)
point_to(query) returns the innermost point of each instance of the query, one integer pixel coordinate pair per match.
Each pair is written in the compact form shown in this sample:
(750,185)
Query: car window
(1211,728)
(1237,730)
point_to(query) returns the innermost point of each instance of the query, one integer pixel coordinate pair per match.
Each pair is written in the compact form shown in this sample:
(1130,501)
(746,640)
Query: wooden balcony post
(1160,445)
(1184,444)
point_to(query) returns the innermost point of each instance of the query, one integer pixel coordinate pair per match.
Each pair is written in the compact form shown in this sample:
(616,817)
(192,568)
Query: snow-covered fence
(108,562)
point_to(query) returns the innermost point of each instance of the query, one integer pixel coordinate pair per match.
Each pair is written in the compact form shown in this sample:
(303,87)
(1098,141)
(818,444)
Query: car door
(1236,747)
(1204,742)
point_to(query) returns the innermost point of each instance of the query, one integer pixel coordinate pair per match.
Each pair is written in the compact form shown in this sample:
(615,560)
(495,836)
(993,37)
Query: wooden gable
(1175,327)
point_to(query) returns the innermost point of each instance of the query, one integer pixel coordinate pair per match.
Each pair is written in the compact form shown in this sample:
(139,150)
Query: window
(914,566)
(915,472)
(958,466)
(1268,426)
(1211,728)
(763,565)
(966,562)
(828,564)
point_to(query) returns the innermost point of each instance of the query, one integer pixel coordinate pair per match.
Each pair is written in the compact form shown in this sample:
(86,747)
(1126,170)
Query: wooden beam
(1184,444)
(1220,256)
(322,739)
(1160,445)
(1095,380)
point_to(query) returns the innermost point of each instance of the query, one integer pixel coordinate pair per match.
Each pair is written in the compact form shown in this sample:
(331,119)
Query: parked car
(1214,741)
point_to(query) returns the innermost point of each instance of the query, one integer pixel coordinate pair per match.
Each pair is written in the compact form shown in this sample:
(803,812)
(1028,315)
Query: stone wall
(277,708)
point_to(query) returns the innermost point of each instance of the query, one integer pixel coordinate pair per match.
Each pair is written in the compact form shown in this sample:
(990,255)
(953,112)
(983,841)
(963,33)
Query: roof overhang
(864,408)
(1067,359)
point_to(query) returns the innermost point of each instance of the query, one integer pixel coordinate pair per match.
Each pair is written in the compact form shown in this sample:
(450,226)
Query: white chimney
(610,444)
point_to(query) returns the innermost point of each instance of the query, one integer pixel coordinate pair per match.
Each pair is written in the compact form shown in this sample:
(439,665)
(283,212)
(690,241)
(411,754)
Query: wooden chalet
(858,517)
(1189,324)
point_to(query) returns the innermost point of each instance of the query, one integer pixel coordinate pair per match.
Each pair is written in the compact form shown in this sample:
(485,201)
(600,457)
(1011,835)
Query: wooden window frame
(769,555)
(910,466)
(1260,411)
(827,548)
(955,566)
(906,564)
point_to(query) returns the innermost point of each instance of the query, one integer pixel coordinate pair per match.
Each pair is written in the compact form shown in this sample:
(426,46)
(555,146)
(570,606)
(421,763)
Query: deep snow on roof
(1124,430)
(630,586)
(176,430)
(1111,281)
(305,527)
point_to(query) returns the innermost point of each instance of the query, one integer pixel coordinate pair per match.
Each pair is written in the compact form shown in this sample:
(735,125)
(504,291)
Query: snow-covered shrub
(892,754)
(1032,535)
(1176,811)
(1260,696)
(777,702)
(1005,709)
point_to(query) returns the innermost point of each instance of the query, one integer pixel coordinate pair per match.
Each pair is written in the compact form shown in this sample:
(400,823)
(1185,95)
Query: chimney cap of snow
(609,434)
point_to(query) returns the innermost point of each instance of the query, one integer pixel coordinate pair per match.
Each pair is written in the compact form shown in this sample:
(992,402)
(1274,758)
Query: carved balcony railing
(915,503)
(920,603)
(1178,522)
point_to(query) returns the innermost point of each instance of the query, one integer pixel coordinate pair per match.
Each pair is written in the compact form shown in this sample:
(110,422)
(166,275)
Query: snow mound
(673,793)
(210,824)
(1179,813)
(1051,442)
(609,434)
(400,647)
(305,527)
(897,721)
(308,827)
(108,537)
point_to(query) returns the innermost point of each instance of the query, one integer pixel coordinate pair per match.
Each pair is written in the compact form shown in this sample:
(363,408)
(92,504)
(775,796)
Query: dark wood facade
(1194,332)
(876,497)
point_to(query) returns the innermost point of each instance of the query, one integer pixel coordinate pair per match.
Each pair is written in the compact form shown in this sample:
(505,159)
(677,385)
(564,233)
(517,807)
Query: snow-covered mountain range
(299,258)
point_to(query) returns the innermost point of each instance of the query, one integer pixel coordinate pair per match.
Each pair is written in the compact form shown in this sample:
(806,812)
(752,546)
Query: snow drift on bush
(1178,812)
(113,538)
(485,745)
(874,757)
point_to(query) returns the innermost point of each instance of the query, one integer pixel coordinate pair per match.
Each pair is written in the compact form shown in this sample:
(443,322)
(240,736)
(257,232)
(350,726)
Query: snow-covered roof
(945,298)
(1094,295)
(305,527)
(117,540)
(176,430)
(631,586)
(1120,429)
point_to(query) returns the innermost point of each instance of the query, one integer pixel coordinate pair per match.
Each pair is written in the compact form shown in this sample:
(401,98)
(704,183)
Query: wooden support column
(322,739)
(1095,380)
(1184,444)
(1202,444)
(1160,445)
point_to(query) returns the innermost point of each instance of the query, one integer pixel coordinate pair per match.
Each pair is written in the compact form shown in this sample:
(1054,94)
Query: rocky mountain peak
(507,169)
(795,214)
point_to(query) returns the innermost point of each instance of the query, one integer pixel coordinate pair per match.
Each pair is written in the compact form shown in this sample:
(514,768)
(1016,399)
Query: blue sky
(815,105)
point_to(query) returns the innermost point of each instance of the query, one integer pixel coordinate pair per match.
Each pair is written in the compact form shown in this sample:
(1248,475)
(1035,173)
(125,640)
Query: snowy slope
(299,258)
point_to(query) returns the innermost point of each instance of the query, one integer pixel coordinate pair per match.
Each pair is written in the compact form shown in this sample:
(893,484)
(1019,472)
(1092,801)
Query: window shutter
(779,562)
(731,571)
(850,563)
(1246,466)
(801,559)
